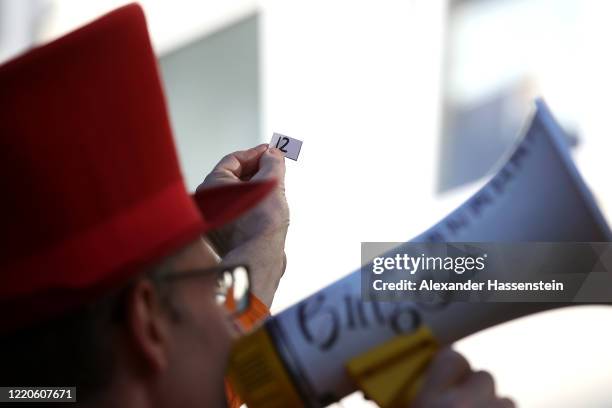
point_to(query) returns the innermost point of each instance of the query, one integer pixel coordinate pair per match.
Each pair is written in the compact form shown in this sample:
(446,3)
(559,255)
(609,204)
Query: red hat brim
(222,204)
(219,206)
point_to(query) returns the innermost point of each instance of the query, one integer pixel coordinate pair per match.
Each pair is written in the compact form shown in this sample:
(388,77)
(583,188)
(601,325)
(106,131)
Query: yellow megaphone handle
(391,373)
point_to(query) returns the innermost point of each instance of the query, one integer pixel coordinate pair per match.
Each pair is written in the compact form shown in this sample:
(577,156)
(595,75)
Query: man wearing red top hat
(107,283)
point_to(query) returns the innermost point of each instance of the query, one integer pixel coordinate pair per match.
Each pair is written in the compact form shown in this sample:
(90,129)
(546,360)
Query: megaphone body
(333,342)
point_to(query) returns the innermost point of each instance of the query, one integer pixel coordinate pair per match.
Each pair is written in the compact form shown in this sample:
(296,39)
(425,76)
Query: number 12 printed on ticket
(289,146)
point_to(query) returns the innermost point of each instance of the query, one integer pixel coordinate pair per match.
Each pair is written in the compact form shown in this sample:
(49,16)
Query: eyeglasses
(233,285)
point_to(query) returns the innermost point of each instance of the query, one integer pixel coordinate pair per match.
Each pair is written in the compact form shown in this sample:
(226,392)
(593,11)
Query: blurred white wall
(359,83)
(559,47)
(213,90)
(172,24)
(20,25)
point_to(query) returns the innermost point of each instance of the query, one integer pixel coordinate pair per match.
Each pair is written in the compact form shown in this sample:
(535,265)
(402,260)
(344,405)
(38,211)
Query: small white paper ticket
(289,146)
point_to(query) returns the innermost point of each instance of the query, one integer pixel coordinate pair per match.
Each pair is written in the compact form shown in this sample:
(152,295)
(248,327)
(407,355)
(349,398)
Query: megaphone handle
(391,373)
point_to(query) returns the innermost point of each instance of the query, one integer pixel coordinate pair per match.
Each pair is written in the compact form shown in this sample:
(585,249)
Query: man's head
(162,337)
(175,338)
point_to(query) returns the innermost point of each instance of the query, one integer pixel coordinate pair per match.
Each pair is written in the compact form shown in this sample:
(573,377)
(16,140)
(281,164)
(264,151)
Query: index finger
(242,163)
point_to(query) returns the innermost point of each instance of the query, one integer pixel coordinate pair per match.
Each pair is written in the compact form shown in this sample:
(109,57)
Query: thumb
(271,165)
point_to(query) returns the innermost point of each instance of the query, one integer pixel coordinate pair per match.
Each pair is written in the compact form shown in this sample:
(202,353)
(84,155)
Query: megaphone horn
(334,342)
(536,195)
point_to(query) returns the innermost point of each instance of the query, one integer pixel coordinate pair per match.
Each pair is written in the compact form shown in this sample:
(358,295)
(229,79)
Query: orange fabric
(249,320)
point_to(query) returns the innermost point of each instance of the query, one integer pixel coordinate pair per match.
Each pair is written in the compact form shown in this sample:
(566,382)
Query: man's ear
(148,325)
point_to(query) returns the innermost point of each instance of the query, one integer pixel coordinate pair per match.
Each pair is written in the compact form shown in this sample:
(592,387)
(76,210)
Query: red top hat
(91,187)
